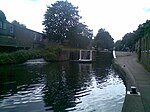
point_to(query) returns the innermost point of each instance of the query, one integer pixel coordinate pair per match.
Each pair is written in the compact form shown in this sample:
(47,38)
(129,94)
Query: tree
(128,41)
(118,45)
(85,37)
(80,36)
(60,19)
(103,40)
(143,29)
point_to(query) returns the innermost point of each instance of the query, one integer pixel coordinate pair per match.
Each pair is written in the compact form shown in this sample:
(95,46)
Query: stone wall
(144,51)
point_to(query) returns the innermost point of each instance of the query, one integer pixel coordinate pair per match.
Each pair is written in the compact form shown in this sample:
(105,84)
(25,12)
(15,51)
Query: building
(27,38)
(15,36)
(143,49)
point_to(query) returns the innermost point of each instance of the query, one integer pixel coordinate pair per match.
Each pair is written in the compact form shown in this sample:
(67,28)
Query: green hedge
(49,54)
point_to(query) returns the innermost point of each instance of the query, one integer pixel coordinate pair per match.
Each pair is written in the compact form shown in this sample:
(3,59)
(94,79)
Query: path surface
(136,76)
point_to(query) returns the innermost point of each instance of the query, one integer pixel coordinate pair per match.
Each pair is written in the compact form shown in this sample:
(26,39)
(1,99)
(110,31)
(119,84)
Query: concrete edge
(122,74)
(128,105)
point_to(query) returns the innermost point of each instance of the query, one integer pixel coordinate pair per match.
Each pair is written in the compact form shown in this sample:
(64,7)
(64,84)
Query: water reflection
(59,87)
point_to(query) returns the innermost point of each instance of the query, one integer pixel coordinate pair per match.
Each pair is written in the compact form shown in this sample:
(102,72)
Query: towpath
(137,76)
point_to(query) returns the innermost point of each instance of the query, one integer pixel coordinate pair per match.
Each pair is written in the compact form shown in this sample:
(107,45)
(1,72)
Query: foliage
(143,29)
(118,45)
(62,24)
(130,39)
(21,56)
(127,42)
(80,36)
(59,19)
(103,40)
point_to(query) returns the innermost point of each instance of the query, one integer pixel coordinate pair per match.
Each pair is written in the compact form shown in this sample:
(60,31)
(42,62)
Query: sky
(118,17)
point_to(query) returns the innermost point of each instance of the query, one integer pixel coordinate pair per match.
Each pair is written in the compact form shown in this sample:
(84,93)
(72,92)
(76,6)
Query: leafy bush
(49,54)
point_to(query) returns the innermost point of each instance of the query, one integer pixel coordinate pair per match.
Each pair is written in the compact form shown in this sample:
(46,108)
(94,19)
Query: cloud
(116,16)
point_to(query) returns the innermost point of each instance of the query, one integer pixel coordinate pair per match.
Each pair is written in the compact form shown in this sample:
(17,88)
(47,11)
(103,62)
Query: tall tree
(128,40)
(103,40)
(60,18)
(143,29)
(80,36)
(118,45)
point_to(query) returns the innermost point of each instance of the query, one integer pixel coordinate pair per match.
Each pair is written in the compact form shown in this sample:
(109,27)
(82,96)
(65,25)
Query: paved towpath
(137,76)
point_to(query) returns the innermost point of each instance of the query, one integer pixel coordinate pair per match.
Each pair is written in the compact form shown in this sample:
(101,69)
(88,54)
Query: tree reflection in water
(59,87)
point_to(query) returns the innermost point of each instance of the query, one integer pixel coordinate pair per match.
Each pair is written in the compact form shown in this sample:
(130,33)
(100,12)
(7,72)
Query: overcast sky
(118,17)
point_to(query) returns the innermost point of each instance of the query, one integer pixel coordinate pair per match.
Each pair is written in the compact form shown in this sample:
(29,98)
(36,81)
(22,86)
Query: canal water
(61,87)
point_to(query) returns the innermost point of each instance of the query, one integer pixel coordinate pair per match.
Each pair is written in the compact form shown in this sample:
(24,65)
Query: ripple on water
(106,96)
(90,92)
(23,96)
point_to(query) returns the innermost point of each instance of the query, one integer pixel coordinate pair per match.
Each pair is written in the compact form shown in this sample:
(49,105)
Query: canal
(61,87)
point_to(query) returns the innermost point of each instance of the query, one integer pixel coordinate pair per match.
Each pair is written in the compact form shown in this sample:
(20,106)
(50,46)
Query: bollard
(133,90)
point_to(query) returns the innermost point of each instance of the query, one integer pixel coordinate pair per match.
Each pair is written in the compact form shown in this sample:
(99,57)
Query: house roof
(2,16)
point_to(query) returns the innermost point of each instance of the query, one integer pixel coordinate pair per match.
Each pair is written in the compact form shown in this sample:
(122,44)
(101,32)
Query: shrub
(49,54)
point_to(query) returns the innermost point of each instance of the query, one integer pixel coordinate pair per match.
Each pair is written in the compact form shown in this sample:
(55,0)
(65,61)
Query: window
(34,36)
(1,24)
(11,29)
(40,38)
(4,26)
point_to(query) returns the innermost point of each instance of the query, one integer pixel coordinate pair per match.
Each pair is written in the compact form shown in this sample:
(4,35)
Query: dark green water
(61,87)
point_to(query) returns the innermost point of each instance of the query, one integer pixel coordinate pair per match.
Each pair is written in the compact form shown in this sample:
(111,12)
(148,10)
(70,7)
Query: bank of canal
(61,86)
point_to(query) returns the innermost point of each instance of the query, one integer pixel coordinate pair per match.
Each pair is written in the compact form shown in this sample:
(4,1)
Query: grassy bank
(48,53)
